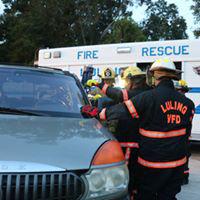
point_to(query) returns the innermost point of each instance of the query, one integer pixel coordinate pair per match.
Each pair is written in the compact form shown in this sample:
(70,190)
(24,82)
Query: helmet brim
(165,69)
(184,89)
(136,75)
(107,77)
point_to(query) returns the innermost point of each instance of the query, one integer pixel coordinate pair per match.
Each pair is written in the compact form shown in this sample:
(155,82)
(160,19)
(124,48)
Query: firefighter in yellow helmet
(165,119)
(182,87)
(96,96)
(108,76)
(133,76)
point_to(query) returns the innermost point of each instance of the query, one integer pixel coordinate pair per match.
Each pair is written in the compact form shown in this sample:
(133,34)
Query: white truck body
(185,52)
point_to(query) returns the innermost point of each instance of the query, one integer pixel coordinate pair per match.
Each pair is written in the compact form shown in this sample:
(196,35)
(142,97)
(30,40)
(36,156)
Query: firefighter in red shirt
(165,121)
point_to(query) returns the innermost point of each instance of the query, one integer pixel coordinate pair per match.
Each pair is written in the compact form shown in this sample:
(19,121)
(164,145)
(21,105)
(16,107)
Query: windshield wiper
(18,111)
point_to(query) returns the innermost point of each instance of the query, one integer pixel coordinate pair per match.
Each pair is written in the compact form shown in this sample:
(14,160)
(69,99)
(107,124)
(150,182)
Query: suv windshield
(40,91)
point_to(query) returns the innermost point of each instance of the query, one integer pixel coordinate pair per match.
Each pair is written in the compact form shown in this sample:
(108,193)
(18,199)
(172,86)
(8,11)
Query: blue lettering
(197,109)
(87,54)
(168,50)
(79,54)
(145,51)
(185,49)
(160,51)
(152,51)
(97,70)
(95,52)
(120,69)
(116,70)
(177,51)
(81,72)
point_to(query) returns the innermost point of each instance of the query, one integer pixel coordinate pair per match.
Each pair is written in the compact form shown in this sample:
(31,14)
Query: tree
(124,30)
(163,22)
(27,25)
(196,12)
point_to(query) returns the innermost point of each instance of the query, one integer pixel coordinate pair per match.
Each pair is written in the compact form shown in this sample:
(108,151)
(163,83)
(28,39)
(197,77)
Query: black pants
(132,166)
(186,168)
(133,173)
(186,171)
(159,184)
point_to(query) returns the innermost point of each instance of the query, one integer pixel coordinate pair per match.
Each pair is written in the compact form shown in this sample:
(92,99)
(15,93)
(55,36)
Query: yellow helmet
(108,73)
(133,71)
(181,85)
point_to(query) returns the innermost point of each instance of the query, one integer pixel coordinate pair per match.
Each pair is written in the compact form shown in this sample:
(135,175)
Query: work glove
(89,111)
(96,97)
(91,83)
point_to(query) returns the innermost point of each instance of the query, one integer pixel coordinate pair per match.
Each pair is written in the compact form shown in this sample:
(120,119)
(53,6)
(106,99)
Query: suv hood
(31,143)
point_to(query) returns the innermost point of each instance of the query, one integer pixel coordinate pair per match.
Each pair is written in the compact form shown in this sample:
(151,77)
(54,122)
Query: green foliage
(124,30)
(27,25)
(163,22)
(196,11)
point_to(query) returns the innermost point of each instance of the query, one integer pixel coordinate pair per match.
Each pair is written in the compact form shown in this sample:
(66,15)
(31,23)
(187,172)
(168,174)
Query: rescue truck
(184,53)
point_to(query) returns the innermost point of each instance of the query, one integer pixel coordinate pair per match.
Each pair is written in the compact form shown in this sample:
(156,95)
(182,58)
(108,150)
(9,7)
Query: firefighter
(135,83)
(165,121)
(101,100)
(182,87)
(96,96)
(107,77)
(127,132)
